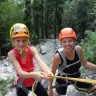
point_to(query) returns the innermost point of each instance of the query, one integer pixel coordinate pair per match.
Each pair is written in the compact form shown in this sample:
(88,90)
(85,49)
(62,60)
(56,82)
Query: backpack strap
(77,51)
(62,55)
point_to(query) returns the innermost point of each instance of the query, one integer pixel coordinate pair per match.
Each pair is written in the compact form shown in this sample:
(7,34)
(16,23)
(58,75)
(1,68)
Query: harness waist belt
(63,73)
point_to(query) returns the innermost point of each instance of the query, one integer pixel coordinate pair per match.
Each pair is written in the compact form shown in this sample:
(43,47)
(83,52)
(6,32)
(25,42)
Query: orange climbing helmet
(19,30)
(67,32)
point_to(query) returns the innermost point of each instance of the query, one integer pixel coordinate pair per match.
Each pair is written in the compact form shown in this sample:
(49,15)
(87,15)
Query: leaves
(89,46)
(10,12)
(4,84)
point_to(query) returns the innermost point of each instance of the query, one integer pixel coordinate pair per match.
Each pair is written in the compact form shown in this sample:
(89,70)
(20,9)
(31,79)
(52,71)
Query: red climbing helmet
(67,32)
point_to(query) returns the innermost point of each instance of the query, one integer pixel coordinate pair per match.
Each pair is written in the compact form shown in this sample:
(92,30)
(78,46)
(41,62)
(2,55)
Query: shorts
(61,85)
(78,85)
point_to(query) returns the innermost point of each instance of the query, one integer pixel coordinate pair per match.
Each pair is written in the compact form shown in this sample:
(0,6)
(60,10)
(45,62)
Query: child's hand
(39,76)
(47,76)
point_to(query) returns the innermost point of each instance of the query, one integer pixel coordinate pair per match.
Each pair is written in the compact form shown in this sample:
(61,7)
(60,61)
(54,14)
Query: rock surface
(46,49)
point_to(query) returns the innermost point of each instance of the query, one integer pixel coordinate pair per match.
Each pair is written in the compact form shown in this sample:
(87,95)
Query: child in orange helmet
(68,61)
(21,57)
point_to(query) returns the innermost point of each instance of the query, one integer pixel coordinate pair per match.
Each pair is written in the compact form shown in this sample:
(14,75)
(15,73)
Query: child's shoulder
(10,53)
(33,49)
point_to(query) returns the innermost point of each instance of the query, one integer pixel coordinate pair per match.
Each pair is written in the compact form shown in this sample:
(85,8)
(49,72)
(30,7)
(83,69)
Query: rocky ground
(47,49)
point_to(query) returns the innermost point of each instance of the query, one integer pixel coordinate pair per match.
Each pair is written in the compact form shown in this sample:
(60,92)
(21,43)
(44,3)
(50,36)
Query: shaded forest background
(45,19)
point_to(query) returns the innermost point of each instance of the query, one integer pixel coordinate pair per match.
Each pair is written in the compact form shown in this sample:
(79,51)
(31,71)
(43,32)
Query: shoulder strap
(77,51)
(82,68)
(62,55)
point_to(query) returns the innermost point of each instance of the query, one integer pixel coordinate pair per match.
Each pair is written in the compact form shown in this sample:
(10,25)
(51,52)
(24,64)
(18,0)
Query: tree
(3,1)
(37,19)
(53,11)
(10,12)
(80,16)
(28,12)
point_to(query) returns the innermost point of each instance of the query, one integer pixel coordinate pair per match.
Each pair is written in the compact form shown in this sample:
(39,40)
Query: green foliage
(10,12)
(89,46)
(4,84)
(94,7)
(33,39)
(79,16)
(46,17)
(82,69)
(3,0)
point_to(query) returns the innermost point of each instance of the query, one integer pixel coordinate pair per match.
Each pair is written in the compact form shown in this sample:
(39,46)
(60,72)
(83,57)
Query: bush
(89,46)
(4,84)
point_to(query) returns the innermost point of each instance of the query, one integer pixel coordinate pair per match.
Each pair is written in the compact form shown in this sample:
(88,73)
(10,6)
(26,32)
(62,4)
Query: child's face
(20,43)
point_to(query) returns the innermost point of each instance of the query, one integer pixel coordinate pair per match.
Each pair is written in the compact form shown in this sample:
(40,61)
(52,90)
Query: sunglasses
(17,31)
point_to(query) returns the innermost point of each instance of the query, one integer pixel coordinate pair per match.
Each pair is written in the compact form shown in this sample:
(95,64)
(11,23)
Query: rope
(75,79)
(68,78)
(72,79)
(33,88)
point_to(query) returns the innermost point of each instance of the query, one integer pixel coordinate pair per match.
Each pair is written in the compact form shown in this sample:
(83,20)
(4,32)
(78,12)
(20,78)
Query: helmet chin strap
(20,53)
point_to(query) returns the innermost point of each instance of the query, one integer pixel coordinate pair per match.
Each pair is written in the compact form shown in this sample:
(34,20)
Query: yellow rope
(68,78)
(75,79)
(33,88)
(72,79)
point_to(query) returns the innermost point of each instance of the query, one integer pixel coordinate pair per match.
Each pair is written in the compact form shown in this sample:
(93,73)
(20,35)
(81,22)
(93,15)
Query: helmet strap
(20,53)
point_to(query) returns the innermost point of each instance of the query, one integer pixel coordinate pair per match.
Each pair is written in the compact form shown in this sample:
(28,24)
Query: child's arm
(41,64)
(19,70)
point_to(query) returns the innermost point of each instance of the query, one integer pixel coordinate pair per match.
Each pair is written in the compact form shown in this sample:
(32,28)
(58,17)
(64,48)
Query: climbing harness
(62,85)
(20,85)
(68,78)
(64,65)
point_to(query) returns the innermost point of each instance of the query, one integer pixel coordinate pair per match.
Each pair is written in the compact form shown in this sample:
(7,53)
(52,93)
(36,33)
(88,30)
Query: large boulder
(43,49)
